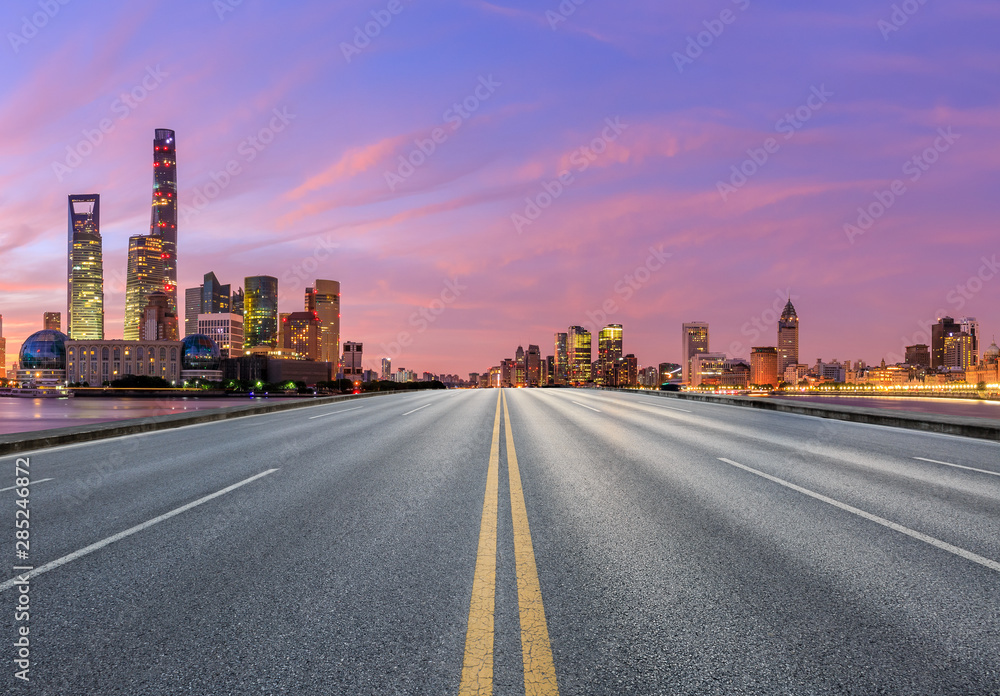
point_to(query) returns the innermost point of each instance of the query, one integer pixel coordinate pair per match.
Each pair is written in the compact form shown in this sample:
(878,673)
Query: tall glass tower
(788,338)
(578,346)
(85,273)
(324,299)
(144,276)
(609,353)
(260,312)
(164,217)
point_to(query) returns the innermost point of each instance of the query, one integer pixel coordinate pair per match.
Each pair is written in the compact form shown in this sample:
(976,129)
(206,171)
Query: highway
(534,542)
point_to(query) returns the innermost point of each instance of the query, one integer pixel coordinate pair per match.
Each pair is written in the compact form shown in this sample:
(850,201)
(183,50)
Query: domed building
(988,370)
(200,359)
(42,360)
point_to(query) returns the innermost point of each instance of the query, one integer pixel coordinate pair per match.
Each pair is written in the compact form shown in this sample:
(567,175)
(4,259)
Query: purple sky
(317,199)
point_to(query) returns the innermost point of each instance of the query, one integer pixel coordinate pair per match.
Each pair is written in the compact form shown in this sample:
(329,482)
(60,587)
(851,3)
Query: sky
(479,175)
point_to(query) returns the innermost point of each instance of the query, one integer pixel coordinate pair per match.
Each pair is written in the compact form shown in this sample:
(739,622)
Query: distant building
(519,368)
(918,355)
(579,355)
(226,329)
(52,321)
(260,315)
(561,358)
(764,367)
(158,323)
(944,327)
(707,369)
(301,334)
(669,371)
(609,354)
(970,326)
(236,302)
(628,371)
(323,298)
(959,351)
(3,351)
(144,276)
(85,275)
(351,362)
(533,366)
(788,338)
(97,362)
(192,308)
(163,218)
(386,369)
(694,341)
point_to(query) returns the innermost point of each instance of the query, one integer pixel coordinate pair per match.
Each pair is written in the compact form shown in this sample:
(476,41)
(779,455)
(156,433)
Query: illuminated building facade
(386,369)
(788,338)
(694,341)
(609,354)
(144,276)
(97,362)
(918,355)
(301,334)
(211,297)
(260,312)
(158,324)
(707,369)
(3,351)
(533,366)
(85,272)
(323,298)
(561,359)
(163,222)
(351,363)
(52,321)
(226,329)
(764,367)
(944,327)
(579,352)
(519,368)
(959,351)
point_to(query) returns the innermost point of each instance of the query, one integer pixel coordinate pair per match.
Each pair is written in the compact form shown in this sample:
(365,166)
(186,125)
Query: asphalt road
(383,547)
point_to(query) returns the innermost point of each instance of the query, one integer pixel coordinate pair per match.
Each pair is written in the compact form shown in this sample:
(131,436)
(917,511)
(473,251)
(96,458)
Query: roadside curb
(979,428)
(23,442)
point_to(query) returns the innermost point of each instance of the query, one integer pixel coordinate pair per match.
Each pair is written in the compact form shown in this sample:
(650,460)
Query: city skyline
(259,194)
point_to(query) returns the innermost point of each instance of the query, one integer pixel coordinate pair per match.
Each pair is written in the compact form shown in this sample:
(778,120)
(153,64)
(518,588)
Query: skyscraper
(3,351)
(788,338)
(85,273)
(519,368)
(163,222)
(386,369)
(561,359)
(970,326)
(192,308)
(944,327)
(158,324)
(52,321)
(301,334)
(609,354)
(533,366)
(236,302)
(144,276)
(260,312)
(694,340)
(211,297)
(579,354)
(324,299)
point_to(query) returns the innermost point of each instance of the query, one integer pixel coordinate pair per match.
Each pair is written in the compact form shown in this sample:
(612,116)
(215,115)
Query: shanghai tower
(164,218)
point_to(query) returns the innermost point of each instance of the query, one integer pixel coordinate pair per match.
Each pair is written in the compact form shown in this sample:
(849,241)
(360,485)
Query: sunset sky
(844,95)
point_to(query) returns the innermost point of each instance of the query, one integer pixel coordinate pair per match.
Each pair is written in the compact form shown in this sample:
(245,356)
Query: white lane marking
(672,408)
(585,406)
(331,413)
(959,466)
(52,565)
(30,483)
(944,546)
(416,409)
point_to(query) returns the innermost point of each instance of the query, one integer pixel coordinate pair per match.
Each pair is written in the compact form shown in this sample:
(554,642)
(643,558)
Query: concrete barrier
(23,442)
(981,428)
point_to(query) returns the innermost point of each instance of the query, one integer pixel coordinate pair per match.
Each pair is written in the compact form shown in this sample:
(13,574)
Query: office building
(609,353)
(628,372)
(301,334)
(764,367)
(351,361)
(260,315)
(144,276)
(192,308)
(944,327)
(226,329)
(163,220)
(918,355)
(788,338)
(694,341)
(579,355)
(211,297)
(236,302)
(386,369)
(707,369)
(52,321)
(85,272)
(3,351)
(959,352)
(323,298)
(533,366)
(970,326)
(561,359)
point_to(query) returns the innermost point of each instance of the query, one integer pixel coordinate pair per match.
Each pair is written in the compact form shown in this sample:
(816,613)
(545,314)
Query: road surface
(552,541)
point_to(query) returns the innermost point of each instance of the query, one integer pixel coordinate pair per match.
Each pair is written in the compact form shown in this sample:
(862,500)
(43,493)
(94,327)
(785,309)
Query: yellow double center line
(477,668)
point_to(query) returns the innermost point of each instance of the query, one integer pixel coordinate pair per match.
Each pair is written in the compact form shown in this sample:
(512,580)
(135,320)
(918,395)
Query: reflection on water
(947,407)
(19,415)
